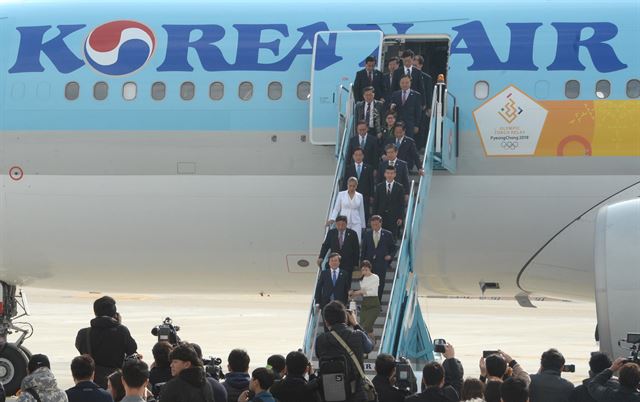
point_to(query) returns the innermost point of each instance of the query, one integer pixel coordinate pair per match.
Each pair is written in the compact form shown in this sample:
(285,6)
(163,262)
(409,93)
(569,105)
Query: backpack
(336,379)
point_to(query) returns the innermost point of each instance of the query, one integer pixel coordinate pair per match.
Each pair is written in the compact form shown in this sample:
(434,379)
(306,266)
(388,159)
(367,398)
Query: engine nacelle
(617,274)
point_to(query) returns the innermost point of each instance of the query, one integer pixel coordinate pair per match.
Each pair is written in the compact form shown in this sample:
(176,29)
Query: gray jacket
(44,384)
(549,386)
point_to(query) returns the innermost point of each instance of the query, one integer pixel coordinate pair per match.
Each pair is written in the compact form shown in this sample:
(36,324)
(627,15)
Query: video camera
(213,367)
(633,339)
(405,378)
(167,332)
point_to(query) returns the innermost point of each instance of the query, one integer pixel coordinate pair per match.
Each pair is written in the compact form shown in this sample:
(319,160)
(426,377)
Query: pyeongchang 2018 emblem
(510,111)
(510,123)
(119,47)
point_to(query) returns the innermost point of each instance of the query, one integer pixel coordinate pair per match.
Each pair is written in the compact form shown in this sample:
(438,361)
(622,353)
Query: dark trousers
(389,223)
(421,140)
(380,269)
(367,210)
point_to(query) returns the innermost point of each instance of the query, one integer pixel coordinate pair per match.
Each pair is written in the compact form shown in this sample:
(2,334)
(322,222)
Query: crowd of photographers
(179,373)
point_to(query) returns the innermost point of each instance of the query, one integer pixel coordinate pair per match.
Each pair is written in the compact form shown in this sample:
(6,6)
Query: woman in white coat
(350,204)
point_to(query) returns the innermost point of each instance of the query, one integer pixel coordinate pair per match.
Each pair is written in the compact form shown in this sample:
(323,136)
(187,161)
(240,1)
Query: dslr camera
(405,378)
(167,332)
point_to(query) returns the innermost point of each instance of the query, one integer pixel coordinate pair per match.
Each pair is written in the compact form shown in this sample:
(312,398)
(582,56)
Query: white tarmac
(264,325)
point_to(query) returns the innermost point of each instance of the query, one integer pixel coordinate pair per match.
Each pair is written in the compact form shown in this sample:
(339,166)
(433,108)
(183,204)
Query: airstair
(400,328)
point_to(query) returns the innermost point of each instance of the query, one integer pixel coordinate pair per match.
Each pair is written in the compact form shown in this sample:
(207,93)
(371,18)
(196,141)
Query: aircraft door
(337,56)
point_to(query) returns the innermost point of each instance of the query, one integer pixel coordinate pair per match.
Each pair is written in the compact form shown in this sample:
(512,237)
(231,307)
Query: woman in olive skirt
(370,308)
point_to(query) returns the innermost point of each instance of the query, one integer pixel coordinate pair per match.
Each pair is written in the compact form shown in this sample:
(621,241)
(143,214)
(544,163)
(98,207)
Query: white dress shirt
(369,285)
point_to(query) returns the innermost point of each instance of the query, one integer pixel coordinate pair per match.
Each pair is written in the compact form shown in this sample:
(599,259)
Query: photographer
(629,379)
(294,387)
(597,364)
(161,369)
(219,391)
(443,382)
(107,341)
(385,379)
(500,366)
(344,324)
(189,382)
(548,385)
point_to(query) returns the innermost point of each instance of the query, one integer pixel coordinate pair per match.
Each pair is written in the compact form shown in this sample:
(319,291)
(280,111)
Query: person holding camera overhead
(107,341)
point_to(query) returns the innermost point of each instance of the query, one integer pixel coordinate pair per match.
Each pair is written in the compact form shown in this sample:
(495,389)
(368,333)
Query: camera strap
(33,393)
(355,360)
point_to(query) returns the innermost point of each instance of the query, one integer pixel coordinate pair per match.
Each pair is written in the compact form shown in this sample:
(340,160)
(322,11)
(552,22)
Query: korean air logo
(119,47)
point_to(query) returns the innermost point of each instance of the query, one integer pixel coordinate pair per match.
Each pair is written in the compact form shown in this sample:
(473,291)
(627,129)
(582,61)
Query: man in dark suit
(369,77)
(407,150)
(378,247)
(401,173)
(343,241)
(392,65)
(421,140)
(388,201)
(365,141)
(407,103)
(366,181)
(416,75)
(333,284)
(370,111)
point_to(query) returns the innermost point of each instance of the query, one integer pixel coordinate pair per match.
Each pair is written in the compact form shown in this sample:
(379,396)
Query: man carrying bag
(341,352)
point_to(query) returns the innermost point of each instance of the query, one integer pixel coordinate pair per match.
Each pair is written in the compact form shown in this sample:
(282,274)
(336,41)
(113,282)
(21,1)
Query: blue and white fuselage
(145,145)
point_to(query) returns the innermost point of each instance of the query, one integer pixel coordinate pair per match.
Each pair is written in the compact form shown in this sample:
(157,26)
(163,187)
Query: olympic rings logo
(510,145)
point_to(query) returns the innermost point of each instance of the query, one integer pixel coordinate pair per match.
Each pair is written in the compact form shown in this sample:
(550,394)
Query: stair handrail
(388,340)
(400,275)
(341,151)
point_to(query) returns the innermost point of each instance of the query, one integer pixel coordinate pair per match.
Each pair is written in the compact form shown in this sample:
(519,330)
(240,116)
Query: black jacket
(389,206)
(190,385)
(366,181)
(362,81)
(549,386)
(452,385)
(402,173)
(417,82)
(386,391)
(350,251)
(295,389)
(110,343)
(581,392)
(325,287)
(445,394)
(88,391)
(235,384)
(370,148)
(601,392)
(408,152)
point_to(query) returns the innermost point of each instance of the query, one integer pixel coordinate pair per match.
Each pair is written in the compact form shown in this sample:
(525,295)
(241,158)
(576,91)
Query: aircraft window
(158,90)
(129,91)
(274,91)
(603,89)
(245,90)
(481,90)
(572,89)
(100,90)
(304,90)
(633,89)
(72,90)
(216,91)
(187,90)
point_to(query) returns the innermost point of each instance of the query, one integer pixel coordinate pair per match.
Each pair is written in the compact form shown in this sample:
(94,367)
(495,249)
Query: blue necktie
(358,170)
(334,277)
